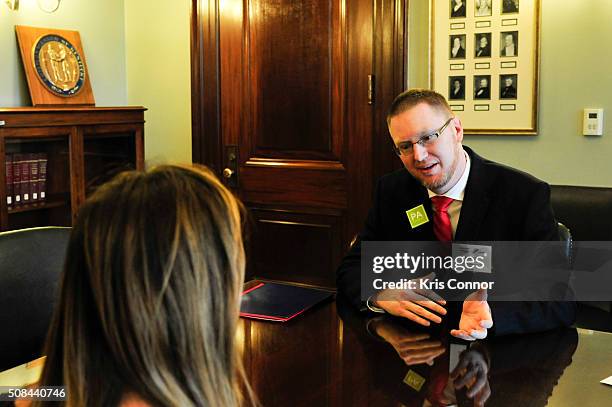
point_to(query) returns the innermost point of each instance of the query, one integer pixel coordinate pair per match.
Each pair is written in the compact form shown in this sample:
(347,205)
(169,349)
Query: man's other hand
(475,317)
(472,373)
(412,347)
(416,305)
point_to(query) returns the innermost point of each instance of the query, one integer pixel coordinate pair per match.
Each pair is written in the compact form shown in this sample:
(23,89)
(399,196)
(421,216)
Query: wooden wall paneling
(232,71)
(205,85)
(339,83)
(197,52)
(390,71)
(359,114)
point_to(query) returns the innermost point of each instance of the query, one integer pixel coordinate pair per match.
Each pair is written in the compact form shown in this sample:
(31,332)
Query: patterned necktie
(441,219)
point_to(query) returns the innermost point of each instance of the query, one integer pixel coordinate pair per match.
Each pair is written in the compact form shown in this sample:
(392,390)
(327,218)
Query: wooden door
(289,97)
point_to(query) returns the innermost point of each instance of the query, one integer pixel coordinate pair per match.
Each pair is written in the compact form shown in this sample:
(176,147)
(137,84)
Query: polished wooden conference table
(333,356)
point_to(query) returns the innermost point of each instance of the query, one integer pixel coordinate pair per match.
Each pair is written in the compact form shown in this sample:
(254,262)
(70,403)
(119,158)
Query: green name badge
(417,216)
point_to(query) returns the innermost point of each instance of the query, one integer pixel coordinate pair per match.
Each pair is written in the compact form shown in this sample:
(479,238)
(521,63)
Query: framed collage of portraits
(484,58)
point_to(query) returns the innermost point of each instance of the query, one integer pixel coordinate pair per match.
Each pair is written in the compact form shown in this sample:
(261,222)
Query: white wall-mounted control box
(592,123)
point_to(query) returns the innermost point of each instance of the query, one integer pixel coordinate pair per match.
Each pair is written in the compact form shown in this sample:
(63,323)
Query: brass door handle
(227,173)
(230,172)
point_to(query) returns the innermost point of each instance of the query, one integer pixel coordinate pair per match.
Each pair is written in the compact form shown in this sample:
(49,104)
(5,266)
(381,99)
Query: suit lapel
(475,201)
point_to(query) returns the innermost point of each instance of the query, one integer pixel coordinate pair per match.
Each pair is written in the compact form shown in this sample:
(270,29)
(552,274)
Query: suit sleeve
(534,316)
(348,275)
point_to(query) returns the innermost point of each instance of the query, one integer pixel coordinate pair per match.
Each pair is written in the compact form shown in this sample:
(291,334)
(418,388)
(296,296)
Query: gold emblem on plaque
(58,65)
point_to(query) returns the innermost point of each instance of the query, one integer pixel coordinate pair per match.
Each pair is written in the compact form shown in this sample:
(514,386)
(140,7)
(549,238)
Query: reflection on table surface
(334,356)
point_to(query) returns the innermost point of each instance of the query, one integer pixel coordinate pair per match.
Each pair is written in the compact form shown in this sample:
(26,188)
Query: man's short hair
(412,97)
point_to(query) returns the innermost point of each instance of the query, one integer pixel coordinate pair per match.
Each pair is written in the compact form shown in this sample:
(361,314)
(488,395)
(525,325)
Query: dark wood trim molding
(205,84)
(390,27)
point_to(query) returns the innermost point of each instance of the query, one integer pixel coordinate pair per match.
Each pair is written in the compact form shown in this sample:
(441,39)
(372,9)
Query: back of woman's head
(150,293)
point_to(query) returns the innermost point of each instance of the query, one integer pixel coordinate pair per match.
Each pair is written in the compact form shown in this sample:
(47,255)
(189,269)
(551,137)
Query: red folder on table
(279,302)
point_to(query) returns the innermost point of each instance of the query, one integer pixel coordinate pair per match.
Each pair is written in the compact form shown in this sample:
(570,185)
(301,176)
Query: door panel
(291,54)
(293,186)
(294,82)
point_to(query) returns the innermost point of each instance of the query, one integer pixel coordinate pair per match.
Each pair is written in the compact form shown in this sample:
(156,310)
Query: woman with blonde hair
(150,295)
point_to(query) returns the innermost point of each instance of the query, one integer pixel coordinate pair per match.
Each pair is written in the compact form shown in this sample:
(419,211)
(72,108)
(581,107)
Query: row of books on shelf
(26,179)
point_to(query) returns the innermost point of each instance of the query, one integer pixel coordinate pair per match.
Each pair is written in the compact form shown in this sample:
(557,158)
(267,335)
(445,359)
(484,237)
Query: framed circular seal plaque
(55,66)
(58,65)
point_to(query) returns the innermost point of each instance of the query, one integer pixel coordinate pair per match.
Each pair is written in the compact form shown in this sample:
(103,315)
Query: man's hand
(416,305)
(471,373)
(412,348)
(475,318)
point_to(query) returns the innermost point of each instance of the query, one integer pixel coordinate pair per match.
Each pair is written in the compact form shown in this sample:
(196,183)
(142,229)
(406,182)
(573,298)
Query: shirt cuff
(372,307)
(371,331)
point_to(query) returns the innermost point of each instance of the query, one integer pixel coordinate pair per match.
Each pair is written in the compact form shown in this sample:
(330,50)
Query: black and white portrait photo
(508,86)
(457,8)
(482,89)
(482,8)
(457,46)
(482,47)
(509,44)
(510,6)
(456,88)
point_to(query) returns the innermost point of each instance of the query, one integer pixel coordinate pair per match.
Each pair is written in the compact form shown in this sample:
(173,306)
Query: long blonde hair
(149,298)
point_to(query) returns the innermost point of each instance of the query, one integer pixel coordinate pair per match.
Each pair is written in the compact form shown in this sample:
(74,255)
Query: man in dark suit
(457,92)
(469,199)
(510,6)
(457,8)
(457,51)
(483,49)
(483,91)
(508,91)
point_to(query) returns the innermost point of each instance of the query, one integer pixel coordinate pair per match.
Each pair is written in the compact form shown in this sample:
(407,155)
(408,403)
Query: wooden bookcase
(83,146)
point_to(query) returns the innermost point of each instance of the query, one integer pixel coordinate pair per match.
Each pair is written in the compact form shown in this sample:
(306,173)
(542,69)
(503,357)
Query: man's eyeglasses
(406,147)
